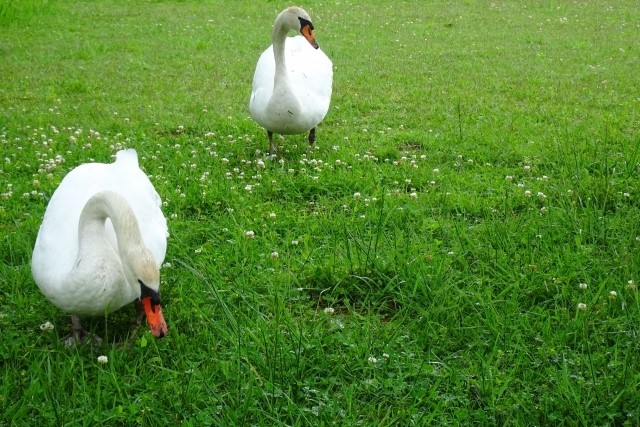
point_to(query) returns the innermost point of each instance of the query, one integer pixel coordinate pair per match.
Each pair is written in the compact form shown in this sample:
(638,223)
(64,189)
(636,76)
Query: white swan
(101,242)
(292,82)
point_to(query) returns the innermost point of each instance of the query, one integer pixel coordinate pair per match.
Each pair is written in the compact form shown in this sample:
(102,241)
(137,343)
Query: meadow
(460,247)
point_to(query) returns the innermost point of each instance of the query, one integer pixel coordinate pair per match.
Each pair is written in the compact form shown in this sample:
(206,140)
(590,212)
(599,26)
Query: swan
(292,82)
(101,243)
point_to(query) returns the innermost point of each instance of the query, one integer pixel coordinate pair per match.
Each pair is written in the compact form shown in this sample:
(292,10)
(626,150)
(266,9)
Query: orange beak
(157,325)
(308,34)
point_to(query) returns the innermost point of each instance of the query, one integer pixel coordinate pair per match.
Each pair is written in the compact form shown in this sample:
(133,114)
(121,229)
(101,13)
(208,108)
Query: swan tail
(127,157)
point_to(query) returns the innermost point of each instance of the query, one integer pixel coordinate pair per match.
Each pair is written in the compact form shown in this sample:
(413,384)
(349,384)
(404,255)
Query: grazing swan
(292,83)
(101,242)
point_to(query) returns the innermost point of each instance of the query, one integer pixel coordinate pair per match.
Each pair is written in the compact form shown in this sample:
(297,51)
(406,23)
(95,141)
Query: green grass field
(461,247)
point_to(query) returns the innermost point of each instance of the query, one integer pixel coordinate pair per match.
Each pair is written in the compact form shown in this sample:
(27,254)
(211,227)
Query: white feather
(101,286)
(291,94)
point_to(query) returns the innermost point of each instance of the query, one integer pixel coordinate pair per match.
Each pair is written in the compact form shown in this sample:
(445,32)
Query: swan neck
(278,39)
(92,231)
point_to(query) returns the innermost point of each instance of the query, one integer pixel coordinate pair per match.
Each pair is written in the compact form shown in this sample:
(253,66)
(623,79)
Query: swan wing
(56,246)
(262,86)
(130,181)
(310,70)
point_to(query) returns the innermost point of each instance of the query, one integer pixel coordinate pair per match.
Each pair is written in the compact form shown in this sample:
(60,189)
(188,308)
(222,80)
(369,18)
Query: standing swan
(101,242)
(292,83)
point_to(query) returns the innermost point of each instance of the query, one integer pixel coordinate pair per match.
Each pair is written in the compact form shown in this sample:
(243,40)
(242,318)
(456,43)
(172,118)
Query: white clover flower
(103,360)
(248,187)
(372,360)
(260,164)
(224,160)
(613,294)
(166,265)
(583,286)
(527,193)
(272,215)
(274,255)
(582,306)
(413,195)
(294,242)
(356,195)
(250,234)
(46,326)
(329,310)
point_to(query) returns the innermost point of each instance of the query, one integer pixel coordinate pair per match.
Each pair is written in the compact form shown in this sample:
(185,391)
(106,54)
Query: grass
(421,266)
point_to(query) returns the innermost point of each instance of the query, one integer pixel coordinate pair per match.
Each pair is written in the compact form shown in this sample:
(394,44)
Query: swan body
(102,241)
(292,81)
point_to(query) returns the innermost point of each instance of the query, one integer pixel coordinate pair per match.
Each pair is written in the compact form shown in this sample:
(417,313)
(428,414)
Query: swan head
(147,274)
(297,19)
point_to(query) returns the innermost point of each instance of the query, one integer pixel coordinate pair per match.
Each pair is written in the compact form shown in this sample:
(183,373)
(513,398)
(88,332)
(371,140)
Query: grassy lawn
(461,247)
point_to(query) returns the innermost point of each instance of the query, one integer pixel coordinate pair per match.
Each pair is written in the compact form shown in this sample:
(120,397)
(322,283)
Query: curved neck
(92,234)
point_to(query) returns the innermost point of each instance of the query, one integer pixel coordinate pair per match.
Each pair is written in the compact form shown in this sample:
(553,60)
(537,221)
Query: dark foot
(88,338)
(79,335)
(312,137)
(138,322)
(272,148)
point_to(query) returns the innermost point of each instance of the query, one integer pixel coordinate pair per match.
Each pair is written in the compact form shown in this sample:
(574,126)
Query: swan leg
(139,313)
(139,317)
(137,323)
(78,334)
(312,137)
(272,148)
(77,331)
